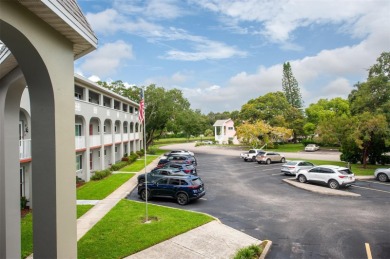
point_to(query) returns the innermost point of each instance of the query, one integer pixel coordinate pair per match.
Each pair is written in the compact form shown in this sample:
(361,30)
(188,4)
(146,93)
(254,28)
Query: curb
(320,189)
(266,250)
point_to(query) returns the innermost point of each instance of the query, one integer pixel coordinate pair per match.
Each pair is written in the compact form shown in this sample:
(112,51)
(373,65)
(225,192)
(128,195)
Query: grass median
(122,231)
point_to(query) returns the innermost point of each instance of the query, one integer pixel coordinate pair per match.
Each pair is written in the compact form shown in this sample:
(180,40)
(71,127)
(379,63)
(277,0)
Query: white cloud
(279,19)
(205,50)
(112,21)
(107,58)
(94,78)
(153,9)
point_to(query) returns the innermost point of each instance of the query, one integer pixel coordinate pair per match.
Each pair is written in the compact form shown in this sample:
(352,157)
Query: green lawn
(167,141)
(139,164)
(98,190)
(82,209)
(121,232)
(27,233)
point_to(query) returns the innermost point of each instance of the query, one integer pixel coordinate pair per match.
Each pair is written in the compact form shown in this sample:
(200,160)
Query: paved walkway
(212,240)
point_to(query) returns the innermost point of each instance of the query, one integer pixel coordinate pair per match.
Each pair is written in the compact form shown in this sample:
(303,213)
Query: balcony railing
(94,140)
(107,139)
(118,138)
(80,142)
(25,149)
(125,136)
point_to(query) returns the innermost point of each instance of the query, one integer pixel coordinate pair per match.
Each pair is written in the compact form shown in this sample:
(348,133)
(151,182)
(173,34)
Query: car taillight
(187,171)
(291,167)
(342,176)
(194,187)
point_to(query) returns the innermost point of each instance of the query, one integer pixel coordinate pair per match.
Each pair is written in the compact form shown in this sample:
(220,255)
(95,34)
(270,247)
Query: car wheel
(142,180)
(253,159)
(302,178)
(333,184)
(268,161)
(259,162)
(383,177)
(143,194)
(182,198)
(245,159)
(283,160)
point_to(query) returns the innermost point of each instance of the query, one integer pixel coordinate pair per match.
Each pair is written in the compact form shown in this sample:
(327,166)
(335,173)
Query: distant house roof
(220,122)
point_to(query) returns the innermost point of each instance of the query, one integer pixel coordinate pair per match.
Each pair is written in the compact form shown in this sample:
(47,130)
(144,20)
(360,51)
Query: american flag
(141,112)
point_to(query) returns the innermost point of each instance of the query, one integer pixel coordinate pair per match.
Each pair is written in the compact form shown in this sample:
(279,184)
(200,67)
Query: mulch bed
(24,212)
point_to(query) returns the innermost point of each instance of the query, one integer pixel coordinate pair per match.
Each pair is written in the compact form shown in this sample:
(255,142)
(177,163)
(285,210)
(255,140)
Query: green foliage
(133,157)
(290,87)
(119,165)
(140,153)
(23,202)
(326,109)
(98,175)
(265,108)
(139,164)
(208,133)
(82,209)
(27,235)
(152,150)
(250,252)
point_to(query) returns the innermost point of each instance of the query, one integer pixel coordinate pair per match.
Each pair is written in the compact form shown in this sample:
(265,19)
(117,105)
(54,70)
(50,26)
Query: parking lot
(254,198)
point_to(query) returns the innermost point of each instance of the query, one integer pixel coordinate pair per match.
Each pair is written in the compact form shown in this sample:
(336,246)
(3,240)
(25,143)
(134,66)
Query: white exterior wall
(95,116)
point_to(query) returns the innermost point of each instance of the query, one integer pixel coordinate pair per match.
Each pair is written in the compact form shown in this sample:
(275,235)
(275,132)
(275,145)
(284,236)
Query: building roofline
(86,82)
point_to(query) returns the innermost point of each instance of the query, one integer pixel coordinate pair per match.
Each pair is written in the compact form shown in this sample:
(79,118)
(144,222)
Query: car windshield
(261,153)
(345,171)
(196,181)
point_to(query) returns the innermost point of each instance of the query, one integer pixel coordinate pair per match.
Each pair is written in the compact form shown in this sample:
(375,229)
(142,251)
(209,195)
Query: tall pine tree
(290,87)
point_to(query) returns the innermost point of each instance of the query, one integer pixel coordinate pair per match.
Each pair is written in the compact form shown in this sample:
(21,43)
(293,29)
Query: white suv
(333,176)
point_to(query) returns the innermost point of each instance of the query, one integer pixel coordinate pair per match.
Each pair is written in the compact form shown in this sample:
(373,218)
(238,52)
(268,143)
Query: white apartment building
(106,129)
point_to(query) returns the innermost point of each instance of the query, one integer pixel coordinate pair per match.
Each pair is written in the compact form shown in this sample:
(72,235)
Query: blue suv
(181,188)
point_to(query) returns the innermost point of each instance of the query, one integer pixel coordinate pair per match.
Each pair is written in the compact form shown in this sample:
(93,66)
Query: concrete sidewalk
(212,240)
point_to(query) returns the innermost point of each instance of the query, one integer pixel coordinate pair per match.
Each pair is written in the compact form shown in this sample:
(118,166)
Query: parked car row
(304,171)
(263,157)
(174,177)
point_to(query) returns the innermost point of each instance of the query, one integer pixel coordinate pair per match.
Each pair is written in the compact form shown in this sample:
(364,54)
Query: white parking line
(369,188)
(368,250)
(374,182)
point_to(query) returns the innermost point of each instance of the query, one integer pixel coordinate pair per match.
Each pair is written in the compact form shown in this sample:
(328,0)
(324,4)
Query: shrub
(119,165)
(125,159)
(133,157)
(23,202)
(140,152)
(152,151)
(101,174)
(250,252)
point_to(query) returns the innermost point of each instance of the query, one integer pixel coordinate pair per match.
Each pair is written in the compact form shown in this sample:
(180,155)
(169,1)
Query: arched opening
(54,219)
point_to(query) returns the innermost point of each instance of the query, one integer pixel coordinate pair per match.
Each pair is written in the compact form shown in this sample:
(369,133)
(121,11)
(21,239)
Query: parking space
(253,198)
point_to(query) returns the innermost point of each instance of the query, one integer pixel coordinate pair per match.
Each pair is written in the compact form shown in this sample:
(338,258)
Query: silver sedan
(382,174)
(292,167)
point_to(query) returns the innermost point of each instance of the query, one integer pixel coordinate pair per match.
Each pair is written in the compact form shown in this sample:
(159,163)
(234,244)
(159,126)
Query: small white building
(224,132)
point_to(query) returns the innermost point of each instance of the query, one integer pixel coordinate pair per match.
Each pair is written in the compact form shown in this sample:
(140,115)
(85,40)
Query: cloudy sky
(222,53)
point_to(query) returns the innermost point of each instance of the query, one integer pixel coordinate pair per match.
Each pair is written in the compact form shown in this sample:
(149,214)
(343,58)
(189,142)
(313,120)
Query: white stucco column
(46,60)
(11,89)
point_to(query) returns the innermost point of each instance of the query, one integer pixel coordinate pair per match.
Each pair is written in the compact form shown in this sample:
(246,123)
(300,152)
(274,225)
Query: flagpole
(144,140)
